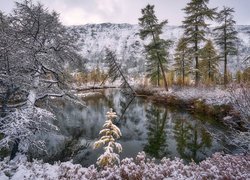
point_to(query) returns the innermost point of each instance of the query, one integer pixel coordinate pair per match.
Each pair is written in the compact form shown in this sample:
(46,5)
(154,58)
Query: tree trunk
(225,71)
(209,69)
(197,76)
(158,75)
(183,70)
(225,55)
(10,91)
(161,66)
(33,92)
(14,149)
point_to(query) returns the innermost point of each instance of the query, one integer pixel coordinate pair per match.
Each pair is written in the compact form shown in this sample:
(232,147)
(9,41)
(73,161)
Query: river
(160,131)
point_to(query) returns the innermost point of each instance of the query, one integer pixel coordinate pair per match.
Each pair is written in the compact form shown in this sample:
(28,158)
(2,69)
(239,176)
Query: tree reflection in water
(191,138)
(159,131)
(157,137)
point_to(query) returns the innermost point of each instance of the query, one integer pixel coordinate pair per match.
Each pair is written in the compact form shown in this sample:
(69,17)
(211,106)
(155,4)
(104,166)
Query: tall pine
(157,48)
(226,36)
(195,28)
(209,62)
(182,59)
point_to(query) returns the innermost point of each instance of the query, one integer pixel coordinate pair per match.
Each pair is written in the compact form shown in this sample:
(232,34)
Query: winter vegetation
(217,167)
(110,133)
(195,69)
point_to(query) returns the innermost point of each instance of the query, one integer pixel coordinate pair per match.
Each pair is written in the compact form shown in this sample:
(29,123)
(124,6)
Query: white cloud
(107,6)
(75,12)
(77,16)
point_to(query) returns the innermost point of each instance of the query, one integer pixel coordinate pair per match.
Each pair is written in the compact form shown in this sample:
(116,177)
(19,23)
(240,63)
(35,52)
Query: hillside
(125,41)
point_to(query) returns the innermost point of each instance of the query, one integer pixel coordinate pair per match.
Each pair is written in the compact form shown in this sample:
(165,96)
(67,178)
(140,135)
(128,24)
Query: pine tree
(195,27)
(209,61)
(110,133)
(182,59)
(226,36)
(156,49)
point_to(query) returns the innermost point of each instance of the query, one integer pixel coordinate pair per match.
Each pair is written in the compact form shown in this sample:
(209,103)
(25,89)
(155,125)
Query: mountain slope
(125,41)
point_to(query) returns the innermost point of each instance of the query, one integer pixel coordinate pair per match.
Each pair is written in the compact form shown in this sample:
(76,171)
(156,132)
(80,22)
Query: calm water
(158,130)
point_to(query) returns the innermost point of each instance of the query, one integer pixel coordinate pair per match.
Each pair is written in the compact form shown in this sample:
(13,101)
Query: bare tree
(35,46)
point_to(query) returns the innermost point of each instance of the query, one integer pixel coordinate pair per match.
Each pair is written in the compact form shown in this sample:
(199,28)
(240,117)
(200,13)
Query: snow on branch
(110,133)
(24,124)
(114,73)
(49,95)
(240,96)
(217,167)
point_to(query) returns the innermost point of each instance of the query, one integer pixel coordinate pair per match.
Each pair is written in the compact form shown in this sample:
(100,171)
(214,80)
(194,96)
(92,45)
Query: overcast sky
(77,12)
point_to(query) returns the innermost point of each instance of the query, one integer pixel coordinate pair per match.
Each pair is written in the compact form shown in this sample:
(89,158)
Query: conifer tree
(110,133)
(156,49)
(195,27)
(209,61)
(226,36)
(182,59)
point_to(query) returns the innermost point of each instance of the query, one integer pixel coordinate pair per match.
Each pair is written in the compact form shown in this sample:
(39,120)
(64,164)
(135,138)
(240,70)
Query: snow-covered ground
(217,167)
(211,96)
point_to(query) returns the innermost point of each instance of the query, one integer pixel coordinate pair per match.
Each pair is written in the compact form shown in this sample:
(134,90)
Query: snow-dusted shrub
(217,167)
(23,125)
(240,96)
(110,133)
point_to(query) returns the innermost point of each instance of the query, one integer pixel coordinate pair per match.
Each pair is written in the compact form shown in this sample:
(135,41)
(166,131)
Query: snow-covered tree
(115,72)
(110,133)
(20,128)
(209,62)
(157,49)
(10,76)
(46,47)
(182,59)
(195,27)
(35,46)
(226,36)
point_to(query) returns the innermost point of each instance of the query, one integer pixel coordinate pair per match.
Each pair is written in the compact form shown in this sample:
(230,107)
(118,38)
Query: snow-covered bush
(110,133)
(23,125)
(217,167)
(240,96)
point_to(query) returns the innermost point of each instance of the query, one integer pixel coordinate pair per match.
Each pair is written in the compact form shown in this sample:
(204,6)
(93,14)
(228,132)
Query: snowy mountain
(125,41)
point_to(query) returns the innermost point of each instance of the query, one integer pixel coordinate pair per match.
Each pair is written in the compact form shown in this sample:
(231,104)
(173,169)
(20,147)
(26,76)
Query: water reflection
(192,139)
(157,130)
(157,136)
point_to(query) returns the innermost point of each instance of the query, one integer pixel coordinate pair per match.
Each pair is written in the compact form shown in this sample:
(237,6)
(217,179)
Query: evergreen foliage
(209,62)
(226,36)
(182,59)
(195,28)
(115,72)
(156,49)
(110,133)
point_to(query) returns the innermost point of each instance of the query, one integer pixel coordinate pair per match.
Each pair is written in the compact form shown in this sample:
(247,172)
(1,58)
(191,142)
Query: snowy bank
(214,102)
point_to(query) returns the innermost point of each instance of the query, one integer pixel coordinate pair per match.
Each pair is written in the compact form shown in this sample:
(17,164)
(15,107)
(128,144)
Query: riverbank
(212,102)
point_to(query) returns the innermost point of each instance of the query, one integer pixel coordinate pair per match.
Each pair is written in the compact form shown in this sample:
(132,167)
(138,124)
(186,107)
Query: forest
(123,101)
